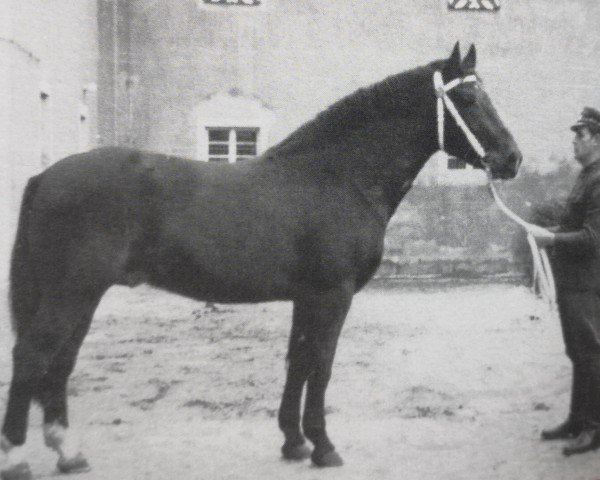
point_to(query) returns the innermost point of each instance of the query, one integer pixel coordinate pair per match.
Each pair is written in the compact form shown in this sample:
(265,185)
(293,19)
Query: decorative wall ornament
(242,3)
(481,5)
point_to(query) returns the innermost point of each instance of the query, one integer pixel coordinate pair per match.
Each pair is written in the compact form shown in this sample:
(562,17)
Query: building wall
(539,61)
(156,62)
(48,61)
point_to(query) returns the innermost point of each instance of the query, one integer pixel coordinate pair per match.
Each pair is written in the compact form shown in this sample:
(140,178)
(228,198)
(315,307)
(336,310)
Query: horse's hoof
(298,451)
(20,471)
(77,464)
(329,459)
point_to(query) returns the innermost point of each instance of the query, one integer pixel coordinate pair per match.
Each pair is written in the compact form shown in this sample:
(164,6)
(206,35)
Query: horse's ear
(452,67)
(470,59)
(454,59)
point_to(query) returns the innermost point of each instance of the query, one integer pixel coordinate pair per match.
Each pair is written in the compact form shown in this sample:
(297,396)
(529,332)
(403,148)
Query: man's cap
(590,118)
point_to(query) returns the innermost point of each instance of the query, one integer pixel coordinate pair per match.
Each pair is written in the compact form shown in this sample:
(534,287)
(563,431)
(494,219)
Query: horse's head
(473,131)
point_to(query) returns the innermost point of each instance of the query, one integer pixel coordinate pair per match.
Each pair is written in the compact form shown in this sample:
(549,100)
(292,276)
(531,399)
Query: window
(231,144)
(218,145)
(245,143)
(456,163)
(232,127)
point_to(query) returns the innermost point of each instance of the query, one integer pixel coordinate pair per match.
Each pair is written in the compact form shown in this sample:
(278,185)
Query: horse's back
(243,232)
(117,215)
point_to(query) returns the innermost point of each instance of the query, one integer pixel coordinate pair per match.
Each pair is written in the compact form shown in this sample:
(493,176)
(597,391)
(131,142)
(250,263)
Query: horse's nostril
(518,161)
(515,160)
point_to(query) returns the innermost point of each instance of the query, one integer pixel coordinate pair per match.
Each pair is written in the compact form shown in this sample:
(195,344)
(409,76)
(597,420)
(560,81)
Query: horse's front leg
(325,315)
(298,368)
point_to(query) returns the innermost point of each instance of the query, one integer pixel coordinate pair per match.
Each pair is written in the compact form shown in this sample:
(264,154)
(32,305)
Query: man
(576,243)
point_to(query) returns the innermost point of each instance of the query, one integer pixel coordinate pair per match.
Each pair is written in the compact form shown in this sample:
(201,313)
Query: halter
(542,270)
(443,100)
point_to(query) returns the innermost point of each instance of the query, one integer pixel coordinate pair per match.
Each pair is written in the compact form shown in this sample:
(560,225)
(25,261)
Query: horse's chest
(339,254)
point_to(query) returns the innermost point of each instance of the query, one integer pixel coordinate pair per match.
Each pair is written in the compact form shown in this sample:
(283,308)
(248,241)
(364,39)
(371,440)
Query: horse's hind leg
(14,429)
(52,328)
(31,357)
(299,367)
(52,389)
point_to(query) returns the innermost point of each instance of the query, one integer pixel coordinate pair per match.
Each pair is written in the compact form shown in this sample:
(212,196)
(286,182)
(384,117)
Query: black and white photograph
(300,239)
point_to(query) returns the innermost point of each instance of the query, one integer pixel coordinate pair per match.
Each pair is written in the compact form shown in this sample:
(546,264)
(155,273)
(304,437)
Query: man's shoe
(568,429)
(586,441)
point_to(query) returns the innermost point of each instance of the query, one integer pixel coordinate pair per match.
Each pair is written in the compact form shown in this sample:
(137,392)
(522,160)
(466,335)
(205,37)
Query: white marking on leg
(62,440)
(15,455)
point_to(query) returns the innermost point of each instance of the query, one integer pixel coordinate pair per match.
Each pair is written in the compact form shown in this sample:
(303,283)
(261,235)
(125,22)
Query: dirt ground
(451,383)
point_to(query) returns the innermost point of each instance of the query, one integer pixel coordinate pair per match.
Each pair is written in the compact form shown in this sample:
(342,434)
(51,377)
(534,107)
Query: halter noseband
(443,100)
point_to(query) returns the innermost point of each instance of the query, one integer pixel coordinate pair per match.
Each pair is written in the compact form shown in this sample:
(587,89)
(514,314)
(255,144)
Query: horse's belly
(223,280)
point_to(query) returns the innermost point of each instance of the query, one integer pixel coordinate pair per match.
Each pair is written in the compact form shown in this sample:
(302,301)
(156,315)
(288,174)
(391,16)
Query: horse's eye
(468,95)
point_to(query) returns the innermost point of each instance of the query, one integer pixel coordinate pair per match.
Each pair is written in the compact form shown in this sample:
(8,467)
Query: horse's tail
(24,290)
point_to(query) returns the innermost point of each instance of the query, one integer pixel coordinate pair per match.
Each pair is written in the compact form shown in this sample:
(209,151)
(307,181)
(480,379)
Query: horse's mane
(392,95)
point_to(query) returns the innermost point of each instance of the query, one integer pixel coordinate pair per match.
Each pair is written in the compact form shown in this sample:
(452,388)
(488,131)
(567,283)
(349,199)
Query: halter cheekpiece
(444,101)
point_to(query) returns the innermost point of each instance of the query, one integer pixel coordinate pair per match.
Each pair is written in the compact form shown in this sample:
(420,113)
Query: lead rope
(543,278)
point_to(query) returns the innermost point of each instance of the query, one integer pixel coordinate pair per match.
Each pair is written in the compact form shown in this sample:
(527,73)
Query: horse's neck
(395,163)
(378,158)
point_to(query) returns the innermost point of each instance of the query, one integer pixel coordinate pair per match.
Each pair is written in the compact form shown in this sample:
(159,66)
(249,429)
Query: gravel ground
(451,383)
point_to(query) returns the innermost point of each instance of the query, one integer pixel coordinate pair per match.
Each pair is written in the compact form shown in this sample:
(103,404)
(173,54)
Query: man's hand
(543,237)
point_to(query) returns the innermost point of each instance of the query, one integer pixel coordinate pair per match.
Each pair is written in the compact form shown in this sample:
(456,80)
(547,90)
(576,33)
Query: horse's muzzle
(503,167)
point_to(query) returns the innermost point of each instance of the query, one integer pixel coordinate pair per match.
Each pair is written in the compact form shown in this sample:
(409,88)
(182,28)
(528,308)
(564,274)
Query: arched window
(232,127)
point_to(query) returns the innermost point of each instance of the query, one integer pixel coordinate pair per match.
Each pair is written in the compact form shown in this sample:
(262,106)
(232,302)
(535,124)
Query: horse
(303,222)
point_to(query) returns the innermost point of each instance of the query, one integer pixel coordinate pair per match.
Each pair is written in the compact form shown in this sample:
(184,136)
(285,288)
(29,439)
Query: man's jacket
(577,242)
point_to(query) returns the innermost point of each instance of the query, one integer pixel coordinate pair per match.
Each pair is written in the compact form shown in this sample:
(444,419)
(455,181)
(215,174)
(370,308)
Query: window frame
(455,163)
(232,144)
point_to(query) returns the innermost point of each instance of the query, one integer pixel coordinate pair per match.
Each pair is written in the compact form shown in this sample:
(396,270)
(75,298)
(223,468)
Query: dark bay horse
(304,222)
